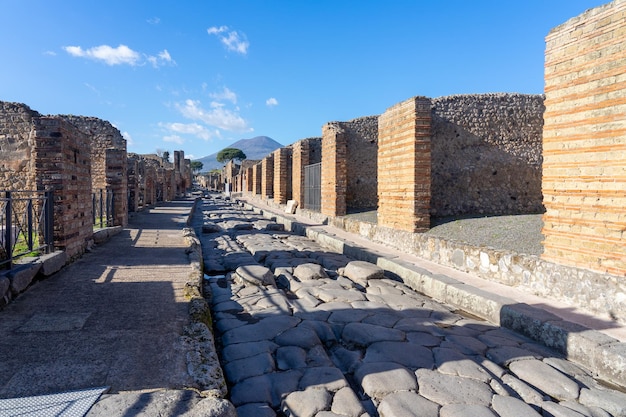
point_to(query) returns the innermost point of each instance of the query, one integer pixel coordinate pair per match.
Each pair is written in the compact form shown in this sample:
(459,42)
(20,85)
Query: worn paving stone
(383,378)
(361,271)
(523,390)
(256,275)
(407,404)
(266,329)
(546,379)
(284,383)
(512,407)
(447,389)
(252,390)
(346,403)
(452,362)
(309,271)
(361,334)
(241,369)
(307,403)
(323,377)
(465,410)
(557,410)
(612,401)
(256,410)
(290,357)
(506,354)
(236,351)
(406,354)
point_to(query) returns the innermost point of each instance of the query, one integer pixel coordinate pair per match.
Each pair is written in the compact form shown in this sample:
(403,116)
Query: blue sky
(199,75)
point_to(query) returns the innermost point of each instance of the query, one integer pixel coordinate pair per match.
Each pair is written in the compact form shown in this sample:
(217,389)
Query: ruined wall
(247,172)
(304,152)
(282,175)
(257,178)
(404,163)
(116,166)
(362,163)
(486,154)
(132,173)
(584,151)
(17,167)
(63,161)
(334,170)
(267,177)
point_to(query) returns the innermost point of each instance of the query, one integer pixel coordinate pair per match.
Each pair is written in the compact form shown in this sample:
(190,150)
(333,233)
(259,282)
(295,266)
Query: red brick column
(300,159)
(257,177)
(282,175)
(62,160)
(334,170)
(404,165)
(267,177)
(117,181)
(584,151)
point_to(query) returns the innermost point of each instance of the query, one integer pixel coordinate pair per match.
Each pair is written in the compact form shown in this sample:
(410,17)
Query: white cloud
(122,55)
(109,55)
(174,139)
(225,94)
(50,53)
(129,139)
(218,115)
(188,129)
(154,20)
(271,102)
(231,39)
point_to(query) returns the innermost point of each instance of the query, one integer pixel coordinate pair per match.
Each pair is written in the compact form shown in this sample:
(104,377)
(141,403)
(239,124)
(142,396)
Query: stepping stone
(309,271)
(256,275)
(383,378)
(361,271)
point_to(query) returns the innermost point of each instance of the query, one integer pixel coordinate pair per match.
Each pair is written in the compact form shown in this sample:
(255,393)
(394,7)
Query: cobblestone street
(304,331)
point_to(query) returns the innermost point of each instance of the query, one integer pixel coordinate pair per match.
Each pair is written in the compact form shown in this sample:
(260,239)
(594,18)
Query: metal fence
(103,208)
(26,224)
(313,187)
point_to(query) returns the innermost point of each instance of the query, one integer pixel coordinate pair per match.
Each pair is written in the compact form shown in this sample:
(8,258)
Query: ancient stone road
(303,331)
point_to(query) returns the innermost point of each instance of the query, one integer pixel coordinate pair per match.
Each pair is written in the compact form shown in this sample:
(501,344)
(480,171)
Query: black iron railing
(103,208)
(26,224)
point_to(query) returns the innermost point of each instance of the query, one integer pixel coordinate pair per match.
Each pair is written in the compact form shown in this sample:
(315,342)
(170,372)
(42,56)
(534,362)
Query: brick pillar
(267,177)
(404,165)
(117,181)
(300,159)
(133,184)
(63,160)
(584,150)
(250,179)
(258,176)
(282,175)
(334,170)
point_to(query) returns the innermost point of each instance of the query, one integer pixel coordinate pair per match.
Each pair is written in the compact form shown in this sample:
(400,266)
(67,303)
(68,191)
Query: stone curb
(601,354)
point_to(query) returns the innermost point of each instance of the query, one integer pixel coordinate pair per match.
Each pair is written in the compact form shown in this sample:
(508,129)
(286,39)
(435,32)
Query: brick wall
(282,175)
(584,151)
(334,170)
(257,177)
(404,162)
(63,164)
(267,177)
(361,163)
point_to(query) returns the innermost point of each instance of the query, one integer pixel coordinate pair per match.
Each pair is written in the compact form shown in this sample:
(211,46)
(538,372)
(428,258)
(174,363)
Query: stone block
(52,262)
(292,205)
(22,275)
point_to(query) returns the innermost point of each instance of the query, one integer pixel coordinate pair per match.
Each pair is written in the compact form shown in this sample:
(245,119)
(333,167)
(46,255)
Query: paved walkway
(112,318)
(306,331)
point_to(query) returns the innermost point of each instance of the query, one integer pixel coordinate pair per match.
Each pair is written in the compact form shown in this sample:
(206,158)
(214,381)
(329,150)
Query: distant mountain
(255,148)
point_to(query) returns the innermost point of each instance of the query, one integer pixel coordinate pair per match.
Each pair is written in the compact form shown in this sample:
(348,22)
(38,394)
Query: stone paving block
(465,410)
(361,334)
(379,379)
(345,359)
(523,390)
(322,329)
(545,378)
(284,383)
(256,275)
(307,403)
(245,368)
(557,410)
(506,354)
(512,407)
(323,377)
(612,401)
(447,389)
(300,336)
(290,357)
(245,350)
(452,362)
(404,353)
(255,410)
(309,271)
(465,344)
(407,404)
(346,403)
(267,328)
(252,390)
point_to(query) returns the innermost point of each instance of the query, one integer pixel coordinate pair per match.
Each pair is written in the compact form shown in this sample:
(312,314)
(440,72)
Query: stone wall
(282,175)
(584,151)
(362,163)
(63,160)
(404,163)
(257,178)
(486,154)
(17,146)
